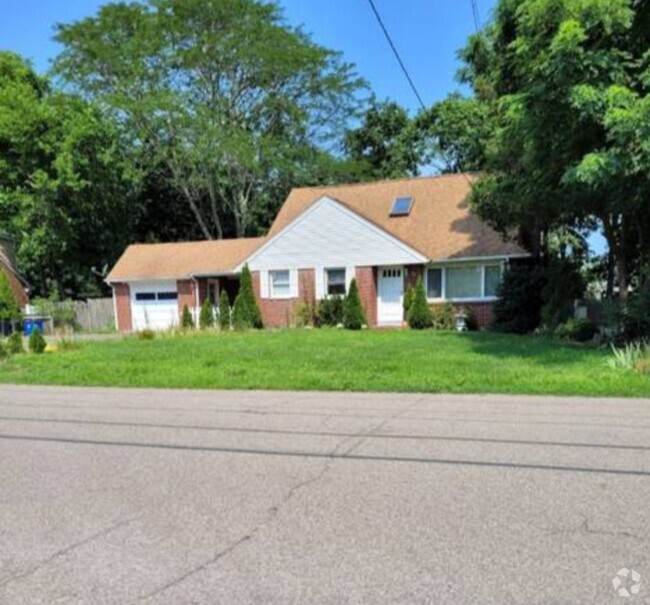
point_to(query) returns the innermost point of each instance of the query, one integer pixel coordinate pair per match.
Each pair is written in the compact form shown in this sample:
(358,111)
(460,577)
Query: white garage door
(154,305)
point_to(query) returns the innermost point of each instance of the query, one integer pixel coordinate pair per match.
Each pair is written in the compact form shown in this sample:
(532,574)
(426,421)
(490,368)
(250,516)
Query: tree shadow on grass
(540,349)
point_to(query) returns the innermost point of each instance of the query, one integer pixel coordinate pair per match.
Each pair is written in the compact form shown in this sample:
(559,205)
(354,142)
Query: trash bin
(32,323)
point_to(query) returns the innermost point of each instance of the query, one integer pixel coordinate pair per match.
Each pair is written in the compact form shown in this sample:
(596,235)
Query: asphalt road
(174,497)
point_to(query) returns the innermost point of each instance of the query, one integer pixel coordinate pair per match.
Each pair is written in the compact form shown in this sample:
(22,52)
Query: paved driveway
(124,496)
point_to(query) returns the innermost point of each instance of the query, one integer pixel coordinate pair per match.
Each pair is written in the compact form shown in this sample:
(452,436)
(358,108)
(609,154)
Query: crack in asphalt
(584,528)
(270,514)
(64,551)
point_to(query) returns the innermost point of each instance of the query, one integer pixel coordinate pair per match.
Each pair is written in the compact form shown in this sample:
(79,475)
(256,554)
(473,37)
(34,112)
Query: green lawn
(335,360)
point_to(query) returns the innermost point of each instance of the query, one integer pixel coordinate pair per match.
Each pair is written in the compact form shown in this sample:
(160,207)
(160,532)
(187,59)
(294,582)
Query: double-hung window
(335,282)
(280,283)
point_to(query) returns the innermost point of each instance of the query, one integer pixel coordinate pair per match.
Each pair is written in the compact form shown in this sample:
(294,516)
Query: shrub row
(334,311)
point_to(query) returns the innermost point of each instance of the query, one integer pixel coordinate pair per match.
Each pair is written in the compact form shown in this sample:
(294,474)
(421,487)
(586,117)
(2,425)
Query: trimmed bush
(408,299)
(245,312)
(206,316)
(580,330)
(418,314)
(354,317)
(187,323)
(330,311)
(518,308)
(442,316)
(564,284)
(224,311)
(37,343)
(471,321)
(14,344)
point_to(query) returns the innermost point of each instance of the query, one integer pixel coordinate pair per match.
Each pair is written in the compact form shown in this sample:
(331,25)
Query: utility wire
(396,53)
(477,18)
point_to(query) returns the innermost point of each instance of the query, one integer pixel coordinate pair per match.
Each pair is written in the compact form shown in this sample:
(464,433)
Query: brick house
(385,234)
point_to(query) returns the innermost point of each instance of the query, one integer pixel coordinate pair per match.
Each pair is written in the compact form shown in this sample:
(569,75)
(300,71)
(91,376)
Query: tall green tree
(456,132)
(386,144)
(65,190)
(224,93)
(567,83)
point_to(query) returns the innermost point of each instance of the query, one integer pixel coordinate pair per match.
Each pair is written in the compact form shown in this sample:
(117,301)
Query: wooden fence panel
(95,314)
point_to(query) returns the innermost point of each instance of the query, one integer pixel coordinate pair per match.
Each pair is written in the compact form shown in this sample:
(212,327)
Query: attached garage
(154,305)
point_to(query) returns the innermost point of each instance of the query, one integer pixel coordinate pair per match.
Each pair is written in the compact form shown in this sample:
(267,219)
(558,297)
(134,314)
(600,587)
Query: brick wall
(122,296)
(186,295)
(280,313)
(367,283)
(482,310)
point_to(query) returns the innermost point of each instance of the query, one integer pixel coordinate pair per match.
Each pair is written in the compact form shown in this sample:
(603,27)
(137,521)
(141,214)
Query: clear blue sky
(427,33)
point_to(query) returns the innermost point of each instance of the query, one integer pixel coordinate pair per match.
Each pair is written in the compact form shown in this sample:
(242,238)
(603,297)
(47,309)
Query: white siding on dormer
(330,235)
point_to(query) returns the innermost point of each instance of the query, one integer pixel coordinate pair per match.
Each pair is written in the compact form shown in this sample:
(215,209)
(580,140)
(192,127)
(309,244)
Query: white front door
(391,290)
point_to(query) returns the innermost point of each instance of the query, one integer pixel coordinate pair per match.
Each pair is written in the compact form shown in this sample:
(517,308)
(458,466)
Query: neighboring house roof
(439,225)
(182,259)
(16,282)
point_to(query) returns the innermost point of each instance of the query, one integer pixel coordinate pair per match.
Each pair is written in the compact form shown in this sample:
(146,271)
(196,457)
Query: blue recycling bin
(32,323)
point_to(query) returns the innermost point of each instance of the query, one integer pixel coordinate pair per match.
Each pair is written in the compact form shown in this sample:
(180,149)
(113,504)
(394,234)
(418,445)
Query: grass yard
(404,361)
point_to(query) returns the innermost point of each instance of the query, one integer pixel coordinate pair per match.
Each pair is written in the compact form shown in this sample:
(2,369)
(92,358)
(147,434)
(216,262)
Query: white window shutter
(293,283)
(264,284)
(319,277)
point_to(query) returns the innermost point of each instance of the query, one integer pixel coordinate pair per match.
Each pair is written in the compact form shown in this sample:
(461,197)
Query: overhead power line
(396,53)
(475,14)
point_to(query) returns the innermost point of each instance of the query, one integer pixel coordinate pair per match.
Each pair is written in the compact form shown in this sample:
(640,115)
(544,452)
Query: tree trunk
(614,229)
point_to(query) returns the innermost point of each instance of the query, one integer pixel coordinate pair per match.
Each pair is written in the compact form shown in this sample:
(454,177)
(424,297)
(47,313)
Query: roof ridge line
(384,181)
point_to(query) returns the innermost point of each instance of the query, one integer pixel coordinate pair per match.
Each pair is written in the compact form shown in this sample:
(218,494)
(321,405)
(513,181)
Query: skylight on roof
(402,206)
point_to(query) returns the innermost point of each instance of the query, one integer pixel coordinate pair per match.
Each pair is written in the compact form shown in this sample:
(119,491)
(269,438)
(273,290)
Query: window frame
(442,283)
(445,267)
(272,292)
(326,283)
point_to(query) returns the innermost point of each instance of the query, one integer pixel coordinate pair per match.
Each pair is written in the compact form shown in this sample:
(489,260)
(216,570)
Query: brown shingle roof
(183,259)
(439,226)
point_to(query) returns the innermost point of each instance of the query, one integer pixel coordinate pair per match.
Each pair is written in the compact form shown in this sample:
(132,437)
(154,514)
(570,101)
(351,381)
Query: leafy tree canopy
(223,93)
(386,144)
(567,83)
